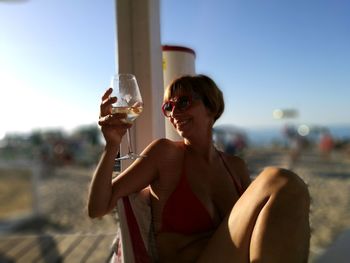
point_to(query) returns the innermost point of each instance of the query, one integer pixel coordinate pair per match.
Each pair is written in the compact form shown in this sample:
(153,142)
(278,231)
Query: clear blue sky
(57,57)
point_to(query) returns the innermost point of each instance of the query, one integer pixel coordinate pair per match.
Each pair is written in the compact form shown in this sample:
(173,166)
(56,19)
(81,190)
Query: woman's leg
(269,223)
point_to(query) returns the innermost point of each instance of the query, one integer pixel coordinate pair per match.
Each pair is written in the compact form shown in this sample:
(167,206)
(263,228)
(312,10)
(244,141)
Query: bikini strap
(237,183)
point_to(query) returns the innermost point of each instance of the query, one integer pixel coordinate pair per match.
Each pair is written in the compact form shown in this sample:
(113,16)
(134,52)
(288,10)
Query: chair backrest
(133,244)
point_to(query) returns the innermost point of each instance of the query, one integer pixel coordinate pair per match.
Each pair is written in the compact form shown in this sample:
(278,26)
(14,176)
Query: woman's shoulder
(165,146)
(167,155)
(164,142)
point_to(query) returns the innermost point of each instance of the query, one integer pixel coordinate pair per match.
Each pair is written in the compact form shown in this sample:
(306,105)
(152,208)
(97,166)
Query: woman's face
(188,114)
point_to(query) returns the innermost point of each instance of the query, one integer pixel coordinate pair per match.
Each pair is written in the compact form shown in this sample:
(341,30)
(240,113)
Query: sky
(57,58)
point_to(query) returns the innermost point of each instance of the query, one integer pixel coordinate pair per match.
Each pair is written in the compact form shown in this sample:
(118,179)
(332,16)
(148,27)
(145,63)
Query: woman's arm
(113,129)
(101,184)
(141,173)
(104,192)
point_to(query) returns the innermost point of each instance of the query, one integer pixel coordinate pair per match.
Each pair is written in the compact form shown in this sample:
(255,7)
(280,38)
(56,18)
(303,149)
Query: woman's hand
(113,126)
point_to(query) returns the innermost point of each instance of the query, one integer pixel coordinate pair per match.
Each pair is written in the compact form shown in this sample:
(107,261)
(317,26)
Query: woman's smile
(181,123)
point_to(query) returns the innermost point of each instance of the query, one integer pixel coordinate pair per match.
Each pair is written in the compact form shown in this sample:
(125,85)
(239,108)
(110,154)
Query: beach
(62,194)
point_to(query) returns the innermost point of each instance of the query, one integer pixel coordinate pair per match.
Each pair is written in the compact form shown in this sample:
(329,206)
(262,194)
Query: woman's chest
(197,191)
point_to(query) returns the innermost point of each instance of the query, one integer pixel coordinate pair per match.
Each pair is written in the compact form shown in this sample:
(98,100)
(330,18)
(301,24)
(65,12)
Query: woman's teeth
(180,123)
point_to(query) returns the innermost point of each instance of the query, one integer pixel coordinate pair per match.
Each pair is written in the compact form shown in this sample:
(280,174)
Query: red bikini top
(184,213)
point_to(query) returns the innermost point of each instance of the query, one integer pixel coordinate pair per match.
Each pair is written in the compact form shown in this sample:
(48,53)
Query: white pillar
(139,51)
(177,61)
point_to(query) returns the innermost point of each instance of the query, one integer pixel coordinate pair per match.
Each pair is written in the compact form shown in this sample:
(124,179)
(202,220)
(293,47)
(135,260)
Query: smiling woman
(203,207)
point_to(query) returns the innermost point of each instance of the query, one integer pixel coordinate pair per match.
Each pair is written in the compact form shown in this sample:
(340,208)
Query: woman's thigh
(233,238)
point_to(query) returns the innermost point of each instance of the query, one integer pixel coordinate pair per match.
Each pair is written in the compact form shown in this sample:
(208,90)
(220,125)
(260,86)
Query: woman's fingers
(106,106)
(107,93)
(117,119)
(107,101)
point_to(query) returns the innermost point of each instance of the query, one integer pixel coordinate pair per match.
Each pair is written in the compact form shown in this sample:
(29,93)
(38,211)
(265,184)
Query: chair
(134,242)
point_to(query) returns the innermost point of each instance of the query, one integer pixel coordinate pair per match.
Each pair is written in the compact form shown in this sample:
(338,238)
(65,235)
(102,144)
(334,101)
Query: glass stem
(129,142)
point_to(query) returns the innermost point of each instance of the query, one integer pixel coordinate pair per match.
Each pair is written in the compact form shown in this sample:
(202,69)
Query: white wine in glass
(129,101)
(131,112)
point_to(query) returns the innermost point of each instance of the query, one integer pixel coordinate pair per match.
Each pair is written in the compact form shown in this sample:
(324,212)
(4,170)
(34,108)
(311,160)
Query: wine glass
(126,89)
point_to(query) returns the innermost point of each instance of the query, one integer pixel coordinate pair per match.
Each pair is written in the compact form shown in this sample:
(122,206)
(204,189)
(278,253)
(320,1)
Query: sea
(267,136)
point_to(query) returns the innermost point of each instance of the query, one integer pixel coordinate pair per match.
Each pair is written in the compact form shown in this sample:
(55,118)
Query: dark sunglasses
(181,103)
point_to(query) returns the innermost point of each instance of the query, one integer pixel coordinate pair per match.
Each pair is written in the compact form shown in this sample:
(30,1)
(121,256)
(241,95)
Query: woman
(204,207)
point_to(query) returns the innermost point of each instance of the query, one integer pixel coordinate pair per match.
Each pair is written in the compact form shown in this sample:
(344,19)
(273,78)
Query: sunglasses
(181,103)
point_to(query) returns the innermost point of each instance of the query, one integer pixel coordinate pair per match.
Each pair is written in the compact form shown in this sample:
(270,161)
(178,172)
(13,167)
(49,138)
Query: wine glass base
(130,156)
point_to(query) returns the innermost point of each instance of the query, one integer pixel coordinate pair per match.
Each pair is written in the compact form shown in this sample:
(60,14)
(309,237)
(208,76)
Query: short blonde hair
(200,85)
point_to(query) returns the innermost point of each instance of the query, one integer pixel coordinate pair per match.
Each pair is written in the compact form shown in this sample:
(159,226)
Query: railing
(34,169)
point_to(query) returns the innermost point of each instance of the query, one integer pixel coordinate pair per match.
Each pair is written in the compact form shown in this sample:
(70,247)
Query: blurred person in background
(296,145)
(326,144)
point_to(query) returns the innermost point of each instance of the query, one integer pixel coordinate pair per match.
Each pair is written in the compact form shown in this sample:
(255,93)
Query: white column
(139,51)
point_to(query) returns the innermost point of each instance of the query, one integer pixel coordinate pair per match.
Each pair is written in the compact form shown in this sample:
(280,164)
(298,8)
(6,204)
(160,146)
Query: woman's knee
(279,181)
